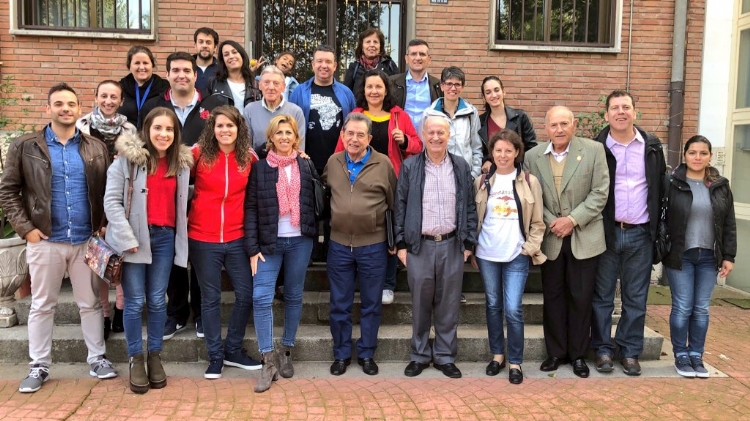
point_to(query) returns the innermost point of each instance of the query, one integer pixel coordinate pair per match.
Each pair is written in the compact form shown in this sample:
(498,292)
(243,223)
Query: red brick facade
(457,34)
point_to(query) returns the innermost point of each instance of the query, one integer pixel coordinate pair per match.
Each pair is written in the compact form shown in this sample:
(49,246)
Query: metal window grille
(86,15)
(555,22)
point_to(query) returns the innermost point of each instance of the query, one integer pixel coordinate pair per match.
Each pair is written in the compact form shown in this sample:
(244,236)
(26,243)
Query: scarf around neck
(369,64)
(108,127)
(287,190)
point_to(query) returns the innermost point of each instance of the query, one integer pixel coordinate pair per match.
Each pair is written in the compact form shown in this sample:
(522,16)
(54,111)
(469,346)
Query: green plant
(9,97)
(6,229)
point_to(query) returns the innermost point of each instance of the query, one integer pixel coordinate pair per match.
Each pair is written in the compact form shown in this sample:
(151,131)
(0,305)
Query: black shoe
(368,366)
(515,376)
(414,369)
(494,367)
(117,326)
(339,366)
(604,364)
(107,327)
(171,327)
(279,294)
(449,370)
(553,363)
(580,368)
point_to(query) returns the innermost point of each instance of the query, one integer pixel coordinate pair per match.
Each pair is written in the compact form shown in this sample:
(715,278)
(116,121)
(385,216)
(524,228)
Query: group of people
(217,167)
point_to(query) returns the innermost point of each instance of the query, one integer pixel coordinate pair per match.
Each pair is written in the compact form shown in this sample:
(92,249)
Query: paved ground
(390,396)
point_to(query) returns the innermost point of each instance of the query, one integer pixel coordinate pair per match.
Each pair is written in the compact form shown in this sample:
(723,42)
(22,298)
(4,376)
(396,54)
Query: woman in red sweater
(223,157)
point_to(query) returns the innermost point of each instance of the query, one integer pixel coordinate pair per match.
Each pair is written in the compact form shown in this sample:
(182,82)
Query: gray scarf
(108,127)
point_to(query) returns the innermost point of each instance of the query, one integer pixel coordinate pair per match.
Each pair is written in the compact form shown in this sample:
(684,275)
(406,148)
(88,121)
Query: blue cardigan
(301,97)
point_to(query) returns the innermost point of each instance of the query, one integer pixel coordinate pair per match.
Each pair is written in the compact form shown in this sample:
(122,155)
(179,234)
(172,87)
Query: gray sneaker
(33,382)
(683,366)
(102,368)
(700,370)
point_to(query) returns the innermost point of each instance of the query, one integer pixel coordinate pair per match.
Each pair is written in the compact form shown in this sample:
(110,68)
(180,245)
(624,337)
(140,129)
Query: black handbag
(663,244)
(321,193)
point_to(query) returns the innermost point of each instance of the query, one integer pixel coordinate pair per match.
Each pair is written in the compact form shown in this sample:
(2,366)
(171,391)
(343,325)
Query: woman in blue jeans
(223,158)
(511,228)
(703,232)
(279,231)
(153,237)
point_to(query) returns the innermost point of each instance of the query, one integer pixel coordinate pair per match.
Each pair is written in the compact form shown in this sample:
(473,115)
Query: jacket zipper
(224,199)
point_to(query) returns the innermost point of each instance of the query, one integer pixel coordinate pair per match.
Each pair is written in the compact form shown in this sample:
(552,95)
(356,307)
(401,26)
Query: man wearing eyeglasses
(464,119)
(415,90)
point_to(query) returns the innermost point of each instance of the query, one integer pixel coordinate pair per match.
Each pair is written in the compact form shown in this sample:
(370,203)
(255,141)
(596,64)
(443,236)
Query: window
(301,25)
(555,24)
(86,16)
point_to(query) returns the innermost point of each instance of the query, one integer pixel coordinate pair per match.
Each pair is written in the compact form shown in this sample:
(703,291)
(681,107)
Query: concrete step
(317,280)
(313,344)
(315,309)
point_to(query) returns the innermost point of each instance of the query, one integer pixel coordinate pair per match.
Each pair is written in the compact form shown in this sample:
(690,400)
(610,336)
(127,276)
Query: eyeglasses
(450,85)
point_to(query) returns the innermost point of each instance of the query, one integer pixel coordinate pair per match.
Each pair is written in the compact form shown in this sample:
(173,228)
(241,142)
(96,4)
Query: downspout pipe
(677,84)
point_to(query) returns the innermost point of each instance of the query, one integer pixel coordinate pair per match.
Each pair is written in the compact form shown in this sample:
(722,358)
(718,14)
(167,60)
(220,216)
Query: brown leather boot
(156,375)
(138,377)
(268,373)
(286,369)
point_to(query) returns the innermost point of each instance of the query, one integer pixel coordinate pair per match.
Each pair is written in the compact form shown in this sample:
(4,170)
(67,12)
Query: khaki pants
(48,263)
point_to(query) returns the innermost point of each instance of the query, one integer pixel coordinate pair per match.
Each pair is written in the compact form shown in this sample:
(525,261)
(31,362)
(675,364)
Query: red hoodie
(217,212)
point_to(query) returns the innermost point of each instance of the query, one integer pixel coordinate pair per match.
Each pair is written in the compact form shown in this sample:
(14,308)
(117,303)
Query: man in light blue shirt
(415,90)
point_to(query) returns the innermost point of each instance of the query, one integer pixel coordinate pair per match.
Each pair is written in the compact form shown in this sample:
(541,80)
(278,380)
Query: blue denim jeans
(504,283)
(691,290)
(148,283)
(391,271)
(207,260)
(294,254)
(366,263)
(630,261)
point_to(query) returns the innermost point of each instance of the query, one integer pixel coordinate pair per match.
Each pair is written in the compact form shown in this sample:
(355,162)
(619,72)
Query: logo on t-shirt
(327,111)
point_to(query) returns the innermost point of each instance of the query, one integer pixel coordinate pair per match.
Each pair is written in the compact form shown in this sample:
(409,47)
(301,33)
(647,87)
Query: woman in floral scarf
(369,54)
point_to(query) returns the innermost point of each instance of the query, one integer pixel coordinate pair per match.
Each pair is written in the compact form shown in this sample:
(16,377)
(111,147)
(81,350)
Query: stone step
(313,344)
(317,280)
(315,309)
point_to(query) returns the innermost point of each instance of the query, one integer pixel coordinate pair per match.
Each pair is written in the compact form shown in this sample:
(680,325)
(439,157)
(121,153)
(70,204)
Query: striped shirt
(439,198)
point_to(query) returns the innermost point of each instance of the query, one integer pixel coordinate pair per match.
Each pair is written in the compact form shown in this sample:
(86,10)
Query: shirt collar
(409,77)
(50,136)
(612,142)
(193,103)
(265,104)
(550,149)
(361,161)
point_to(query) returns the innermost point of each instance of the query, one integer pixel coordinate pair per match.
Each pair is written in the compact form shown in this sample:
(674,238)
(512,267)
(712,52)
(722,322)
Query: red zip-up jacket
(217,212)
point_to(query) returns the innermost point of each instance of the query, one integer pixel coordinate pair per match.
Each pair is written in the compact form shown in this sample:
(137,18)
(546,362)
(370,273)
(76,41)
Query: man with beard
(206,40)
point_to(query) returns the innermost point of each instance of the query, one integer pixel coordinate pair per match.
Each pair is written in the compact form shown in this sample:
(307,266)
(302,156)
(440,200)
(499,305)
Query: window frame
(616,46)
(17,28)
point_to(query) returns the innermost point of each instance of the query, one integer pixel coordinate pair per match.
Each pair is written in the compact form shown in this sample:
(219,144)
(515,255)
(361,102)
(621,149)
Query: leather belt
(626,226)
(439,237)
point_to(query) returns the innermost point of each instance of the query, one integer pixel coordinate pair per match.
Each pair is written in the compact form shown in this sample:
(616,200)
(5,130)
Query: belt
(439,237)
(626,226)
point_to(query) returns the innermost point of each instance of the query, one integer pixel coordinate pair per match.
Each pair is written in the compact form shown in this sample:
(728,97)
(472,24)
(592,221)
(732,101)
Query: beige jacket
(529,200)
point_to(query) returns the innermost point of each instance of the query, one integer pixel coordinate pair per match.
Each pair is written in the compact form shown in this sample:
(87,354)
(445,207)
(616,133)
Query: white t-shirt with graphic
(501,238)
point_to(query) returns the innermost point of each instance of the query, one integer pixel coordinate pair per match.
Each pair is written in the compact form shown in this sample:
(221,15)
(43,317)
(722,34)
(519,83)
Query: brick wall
(457,33)
(37,63)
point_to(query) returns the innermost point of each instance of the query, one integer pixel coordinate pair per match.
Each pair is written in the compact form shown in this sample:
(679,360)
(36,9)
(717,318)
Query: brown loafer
(630,366)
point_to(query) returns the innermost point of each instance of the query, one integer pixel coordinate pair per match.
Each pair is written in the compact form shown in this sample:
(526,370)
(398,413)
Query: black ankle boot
(107,326)
(117,326)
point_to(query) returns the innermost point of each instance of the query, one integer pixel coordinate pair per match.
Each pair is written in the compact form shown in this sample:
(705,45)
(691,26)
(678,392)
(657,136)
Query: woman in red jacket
(393,134)
(223,157)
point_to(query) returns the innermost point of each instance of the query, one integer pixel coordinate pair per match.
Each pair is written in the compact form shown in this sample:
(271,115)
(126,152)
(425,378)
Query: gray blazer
(125,234)
(583,195)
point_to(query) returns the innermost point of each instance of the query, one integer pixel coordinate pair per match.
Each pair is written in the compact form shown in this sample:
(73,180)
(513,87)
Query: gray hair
(442,117)
(273,70)
(359,117)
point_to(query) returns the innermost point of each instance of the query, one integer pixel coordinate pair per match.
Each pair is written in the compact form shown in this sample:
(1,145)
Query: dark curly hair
(388,102)
(209,146)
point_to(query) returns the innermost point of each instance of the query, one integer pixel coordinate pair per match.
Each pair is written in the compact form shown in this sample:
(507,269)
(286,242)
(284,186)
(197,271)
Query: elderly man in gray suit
(575,185)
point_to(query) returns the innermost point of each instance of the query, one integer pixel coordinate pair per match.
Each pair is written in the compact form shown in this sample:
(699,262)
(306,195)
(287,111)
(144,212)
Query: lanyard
(138,102)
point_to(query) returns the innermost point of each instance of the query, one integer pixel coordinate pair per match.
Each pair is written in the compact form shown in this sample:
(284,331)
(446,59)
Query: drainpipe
(677,84)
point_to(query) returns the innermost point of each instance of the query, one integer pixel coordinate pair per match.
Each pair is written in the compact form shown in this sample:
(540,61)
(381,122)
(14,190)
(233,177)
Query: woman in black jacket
(279,230)
(701,223)
(234,82)
(141,84)
(369,54)
(498,116)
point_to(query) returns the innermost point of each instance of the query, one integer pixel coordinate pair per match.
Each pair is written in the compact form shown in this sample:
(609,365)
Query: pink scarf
(367,63)
(287,191)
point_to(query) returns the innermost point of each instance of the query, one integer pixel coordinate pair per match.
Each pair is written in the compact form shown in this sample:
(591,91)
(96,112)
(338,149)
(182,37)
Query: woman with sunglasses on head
(703,232)
(105,124)
(152,237)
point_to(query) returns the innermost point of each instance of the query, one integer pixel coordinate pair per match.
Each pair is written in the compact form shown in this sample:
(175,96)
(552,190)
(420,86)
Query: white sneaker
(102,369)
(387,297)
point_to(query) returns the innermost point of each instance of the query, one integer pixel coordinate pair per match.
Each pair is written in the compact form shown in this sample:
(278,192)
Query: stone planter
(13,271)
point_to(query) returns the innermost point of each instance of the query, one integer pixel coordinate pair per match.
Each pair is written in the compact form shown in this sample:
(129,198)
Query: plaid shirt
(439,198)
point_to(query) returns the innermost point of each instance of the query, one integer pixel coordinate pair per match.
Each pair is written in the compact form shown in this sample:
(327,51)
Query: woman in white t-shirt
(511,228)
(234,81)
